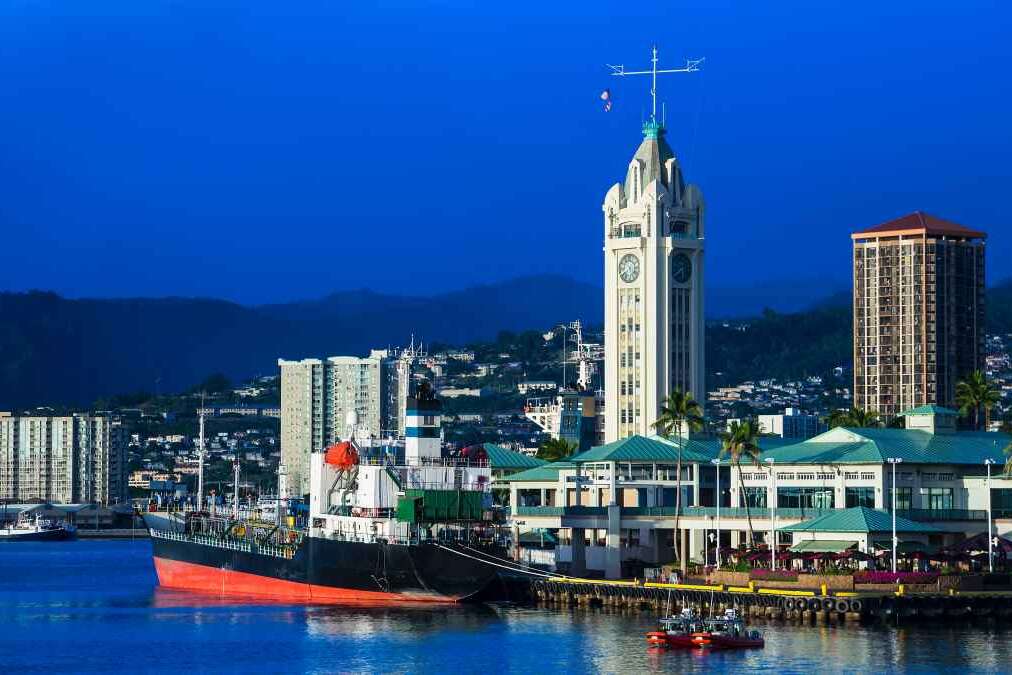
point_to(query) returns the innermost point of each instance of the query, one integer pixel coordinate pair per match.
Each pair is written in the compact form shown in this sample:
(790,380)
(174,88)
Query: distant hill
(55,350)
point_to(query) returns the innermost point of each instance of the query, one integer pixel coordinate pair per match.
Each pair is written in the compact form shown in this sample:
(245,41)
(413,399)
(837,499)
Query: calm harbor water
(93,606)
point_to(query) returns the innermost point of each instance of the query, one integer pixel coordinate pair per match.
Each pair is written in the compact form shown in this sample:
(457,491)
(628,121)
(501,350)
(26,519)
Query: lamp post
(773,516)
(990,528)
(894,461)
(716,463)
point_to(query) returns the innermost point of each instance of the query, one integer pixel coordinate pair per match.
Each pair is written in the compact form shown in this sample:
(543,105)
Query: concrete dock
(812,606)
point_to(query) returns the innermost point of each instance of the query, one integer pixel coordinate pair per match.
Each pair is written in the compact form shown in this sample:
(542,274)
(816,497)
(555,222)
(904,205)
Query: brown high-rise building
(918,312)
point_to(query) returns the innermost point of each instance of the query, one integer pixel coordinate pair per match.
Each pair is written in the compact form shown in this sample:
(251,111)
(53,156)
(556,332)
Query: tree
(853,417)
(741,442)
(214,384)
(976,393)
(555,449)
(680,413)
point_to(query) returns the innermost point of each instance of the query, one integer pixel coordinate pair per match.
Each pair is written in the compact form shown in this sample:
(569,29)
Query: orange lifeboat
(342,455)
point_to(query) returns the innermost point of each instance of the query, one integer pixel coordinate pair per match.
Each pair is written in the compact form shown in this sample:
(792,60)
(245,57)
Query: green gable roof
(859,519)
(659,449)
(846,445)
(931,409)
(546,473)
(504,458)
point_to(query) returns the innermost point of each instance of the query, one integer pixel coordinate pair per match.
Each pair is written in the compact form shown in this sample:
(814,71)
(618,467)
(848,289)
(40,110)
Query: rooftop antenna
(691,66)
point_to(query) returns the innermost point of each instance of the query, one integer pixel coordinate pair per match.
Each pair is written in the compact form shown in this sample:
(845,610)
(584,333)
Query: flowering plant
(773,575)
(881,577)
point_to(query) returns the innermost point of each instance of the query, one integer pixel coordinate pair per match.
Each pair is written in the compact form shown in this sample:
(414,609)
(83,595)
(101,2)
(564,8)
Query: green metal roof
(930,409)
(660,449)
(504,458)
(548,473)
(859,519)
(538,537)
(823,545)
(846,445)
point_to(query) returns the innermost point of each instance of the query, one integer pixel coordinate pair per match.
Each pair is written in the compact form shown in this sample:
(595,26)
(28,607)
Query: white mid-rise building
(317,396)
(653,272)
(66,460)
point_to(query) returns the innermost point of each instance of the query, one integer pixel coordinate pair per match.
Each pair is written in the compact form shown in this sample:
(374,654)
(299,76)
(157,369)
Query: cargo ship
(404,525)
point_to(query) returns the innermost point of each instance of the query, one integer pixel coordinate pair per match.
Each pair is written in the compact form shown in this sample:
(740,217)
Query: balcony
(561,511)
(933,515)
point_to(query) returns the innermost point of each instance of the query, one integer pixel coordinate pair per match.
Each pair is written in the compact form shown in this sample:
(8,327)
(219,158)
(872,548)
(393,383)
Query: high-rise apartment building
(653,276)
(918,312)
(317,396)
(66,460)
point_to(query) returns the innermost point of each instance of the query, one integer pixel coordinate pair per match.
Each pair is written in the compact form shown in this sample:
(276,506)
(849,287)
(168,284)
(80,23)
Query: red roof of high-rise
(919,222)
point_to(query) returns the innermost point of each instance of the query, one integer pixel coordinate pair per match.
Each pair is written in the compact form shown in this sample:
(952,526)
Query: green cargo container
(433,506)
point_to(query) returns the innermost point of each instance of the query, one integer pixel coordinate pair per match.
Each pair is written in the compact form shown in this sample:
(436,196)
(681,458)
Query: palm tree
(974,393)
(680,413)
(853,417)
(555,449)
(1008,458)
(741,442)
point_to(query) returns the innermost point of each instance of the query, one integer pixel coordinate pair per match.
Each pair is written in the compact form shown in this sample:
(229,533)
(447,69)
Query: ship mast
(235,499)
(200,458)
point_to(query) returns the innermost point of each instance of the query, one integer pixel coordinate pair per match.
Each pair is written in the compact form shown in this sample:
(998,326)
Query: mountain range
(60,351)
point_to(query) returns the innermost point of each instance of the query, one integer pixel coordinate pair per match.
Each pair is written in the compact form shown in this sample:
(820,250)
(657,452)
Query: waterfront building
(318,396)
(653,276)
(918,312)
(612,508)
(572,415)
(68,459)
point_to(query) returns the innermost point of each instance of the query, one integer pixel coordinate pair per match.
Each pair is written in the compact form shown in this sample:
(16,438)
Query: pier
(811,606)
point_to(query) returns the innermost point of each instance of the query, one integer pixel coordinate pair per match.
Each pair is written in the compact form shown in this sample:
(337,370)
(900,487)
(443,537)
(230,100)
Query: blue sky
(270,151)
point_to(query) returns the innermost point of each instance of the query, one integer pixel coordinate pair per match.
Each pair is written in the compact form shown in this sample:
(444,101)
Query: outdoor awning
(823,546)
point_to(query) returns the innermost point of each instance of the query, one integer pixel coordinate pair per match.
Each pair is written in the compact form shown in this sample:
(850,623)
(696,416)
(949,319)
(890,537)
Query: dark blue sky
(270,151)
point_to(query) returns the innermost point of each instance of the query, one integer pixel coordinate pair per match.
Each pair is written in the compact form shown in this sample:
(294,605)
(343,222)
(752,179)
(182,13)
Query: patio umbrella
(784,555)
(859,556)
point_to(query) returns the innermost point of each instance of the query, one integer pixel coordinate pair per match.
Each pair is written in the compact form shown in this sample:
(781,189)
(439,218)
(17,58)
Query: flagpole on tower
(691,66)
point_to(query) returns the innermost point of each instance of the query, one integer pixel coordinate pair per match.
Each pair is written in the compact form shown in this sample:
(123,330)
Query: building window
(860,496)
(904,499)
(938,498)
(805,498)
(755,498)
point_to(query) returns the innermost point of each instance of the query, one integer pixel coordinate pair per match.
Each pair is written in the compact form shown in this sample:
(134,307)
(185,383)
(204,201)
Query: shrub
(880,577)
(773,575)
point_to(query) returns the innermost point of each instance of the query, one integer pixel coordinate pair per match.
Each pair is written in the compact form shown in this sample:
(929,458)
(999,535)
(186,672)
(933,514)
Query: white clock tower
(653,289)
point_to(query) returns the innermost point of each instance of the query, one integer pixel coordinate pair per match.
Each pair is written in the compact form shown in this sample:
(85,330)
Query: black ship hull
(325,570)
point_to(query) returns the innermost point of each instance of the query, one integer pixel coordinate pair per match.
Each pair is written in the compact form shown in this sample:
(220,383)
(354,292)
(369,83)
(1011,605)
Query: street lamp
(990,528)
(716,463)
(773,517)
(894,461)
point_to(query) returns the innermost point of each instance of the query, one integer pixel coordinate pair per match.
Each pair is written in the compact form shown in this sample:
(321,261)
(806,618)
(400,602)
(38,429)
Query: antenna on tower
(691,66)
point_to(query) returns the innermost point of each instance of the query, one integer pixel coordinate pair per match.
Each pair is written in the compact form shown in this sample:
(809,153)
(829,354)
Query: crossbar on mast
(691,66)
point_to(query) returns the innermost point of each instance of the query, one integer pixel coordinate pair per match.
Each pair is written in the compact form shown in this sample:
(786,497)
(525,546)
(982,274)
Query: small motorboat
(676,631)
(727,632)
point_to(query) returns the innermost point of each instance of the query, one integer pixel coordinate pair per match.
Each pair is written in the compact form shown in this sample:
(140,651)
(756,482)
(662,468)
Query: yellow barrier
(784,591)
(599,582)
(845,594)
(740,589)
(686,587)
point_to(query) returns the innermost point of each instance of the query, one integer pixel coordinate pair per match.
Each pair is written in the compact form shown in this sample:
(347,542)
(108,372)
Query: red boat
(727,632)
(676,631)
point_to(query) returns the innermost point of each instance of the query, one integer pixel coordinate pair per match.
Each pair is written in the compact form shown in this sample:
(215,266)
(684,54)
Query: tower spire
(691,66)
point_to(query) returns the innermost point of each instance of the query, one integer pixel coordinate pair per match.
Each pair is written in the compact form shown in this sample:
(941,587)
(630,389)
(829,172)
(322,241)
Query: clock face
(681,268)
(629,268)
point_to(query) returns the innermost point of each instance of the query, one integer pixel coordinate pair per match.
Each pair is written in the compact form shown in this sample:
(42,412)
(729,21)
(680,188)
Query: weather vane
(691,66)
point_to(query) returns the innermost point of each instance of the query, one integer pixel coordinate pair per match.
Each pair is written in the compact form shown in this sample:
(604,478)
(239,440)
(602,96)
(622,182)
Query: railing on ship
(446,462)
(230,543)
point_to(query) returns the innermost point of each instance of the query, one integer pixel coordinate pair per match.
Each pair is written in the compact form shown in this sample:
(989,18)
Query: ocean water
(94,606)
